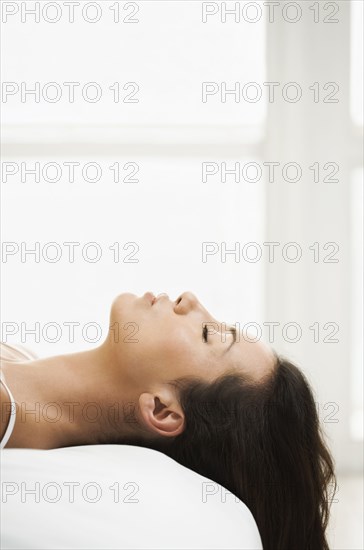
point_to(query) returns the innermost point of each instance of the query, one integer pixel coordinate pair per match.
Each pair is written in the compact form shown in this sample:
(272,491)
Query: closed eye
(231,329)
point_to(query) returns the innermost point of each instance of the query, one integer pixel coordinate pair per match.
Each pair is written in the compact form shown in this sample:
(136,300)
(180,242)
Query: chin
(125,296)
(122,303)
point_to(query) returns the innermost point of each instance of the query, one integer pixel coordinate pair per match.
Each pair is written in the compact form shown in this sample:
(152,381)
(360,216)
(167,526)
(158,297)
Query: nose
(186,302)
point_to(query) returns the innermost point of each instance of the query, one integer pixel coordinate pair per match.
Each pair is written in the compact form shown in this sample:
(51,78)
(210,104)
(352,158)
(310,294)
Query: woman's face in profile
(157,339)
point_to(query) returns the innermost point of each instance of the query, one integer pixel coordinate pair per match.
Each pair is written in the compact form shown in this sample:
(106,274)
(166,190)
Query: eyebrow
(232,329)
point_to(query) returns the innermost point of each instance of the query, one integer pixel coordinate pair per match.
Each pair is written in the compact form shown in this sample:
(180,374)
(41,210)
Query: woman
(171,378)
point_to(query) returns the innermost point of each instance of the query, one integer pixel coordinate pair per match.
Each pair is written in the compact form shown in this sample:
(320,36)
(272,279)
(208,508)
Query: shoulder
(13,353)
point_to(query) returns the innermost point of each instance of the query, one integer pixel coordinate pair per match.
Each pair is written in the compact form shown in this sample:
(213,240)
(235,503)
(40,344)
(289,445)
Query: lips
(160,296)
(150,297)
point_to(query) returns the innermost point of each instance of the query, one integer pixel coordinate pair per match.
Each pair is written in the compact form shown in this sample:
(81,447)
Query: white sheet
(160,505)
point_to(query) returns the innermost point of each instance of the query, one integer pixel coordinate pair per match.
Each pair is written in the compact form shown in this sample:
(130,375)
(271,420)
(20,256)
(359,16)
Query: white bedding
(154,502)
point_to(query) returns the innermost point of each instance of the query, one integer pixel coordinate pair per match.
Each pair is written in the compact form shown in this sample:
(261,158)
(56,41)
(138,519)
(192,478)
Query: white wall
(170,211)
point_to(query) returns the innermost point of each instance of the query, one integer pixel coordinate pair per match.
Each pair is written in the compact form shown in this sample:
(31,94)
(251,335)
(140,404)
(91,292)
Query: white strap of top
(11,423)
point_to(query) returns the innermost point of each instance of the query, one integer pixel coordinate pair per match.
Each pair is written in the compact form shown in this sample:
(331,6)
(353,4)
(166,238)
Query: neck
(70,400)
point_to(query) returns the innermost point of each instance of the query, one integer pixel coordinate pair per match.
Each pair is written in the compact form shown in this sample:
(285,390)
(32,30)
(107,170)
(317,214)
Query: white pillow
(154,502)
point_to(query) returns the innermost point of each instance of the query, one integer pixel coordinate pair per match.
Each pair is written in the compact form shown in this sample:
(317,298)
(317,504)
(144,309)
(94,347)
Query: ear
(162,413)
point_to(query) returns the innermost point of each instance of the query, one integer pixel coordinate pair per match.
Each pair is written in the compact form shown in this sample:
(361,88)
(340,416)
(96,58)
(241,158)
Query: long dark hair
(262,442)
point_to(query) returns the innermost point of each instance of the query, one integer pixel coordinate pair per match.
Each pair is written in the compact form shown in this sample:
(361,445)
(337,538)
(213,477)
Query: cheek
(166,342)
(170,351)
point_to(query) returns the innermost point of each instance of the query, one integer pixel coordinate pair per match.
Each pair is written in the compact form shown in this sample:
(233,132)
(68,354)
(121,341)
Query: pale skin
(120,376)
